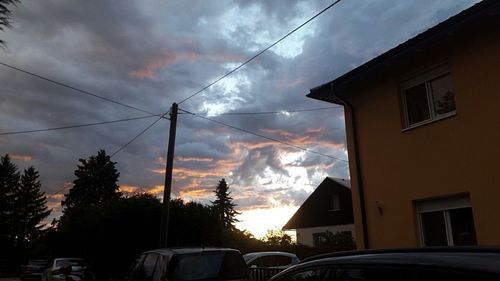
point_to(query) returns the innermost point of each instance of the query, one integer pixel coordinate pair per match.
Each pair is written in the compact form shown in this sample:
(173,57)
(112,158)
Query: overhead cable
(138,135)
(76,126)
(264,137)
(259,53)
(76,89)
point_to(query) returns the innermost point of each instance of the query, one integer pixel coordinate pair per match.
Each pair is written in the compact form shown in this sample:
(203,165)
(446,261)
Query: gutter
(358,169)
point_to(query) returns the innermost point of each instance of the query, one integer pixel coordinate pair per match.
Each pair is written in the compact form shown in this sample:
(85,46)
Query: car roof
(182,251)
(260,254)
(473,259)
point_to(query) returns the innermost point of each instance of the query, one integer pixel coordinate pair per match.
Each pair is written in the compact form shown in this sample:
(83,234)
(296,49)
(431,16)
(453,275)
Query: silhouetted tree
(277,238)
(95,182)
(341,239)
(111,234)
(223,206)
(30,207)
(22,210)
(5,15)
(9,183)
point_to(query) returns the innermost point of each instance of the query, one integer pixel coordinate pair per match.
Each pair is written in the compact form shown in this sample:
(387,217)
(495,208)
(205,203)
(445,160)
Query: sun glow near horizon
(259,221)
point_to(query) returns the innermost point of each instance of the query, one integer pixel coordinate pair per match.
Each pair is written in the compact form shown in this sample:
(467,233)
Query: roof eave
(328,92)
(324,93)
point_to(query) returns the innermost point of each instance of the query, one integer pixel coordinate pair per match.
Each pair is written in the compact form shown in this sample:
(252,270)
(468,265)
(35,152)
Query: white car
(278,260)
(78,268)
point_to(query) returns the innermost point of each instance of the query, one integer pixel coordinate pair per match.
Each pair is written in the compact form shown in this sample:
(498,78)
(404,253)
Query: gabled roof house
(328,208)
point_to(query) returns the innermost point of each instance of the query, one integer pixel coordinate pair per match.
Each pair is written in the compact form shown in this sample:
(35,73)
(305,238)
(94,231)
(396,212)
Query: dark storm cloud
(151,53)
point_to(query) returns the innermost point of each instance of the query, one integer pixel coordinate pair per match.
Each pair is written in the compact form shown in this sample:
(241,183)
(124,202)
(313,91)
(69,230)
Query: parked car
(264,265)
(78,268)
(33,270)
(279,260)
(425,264)
(189,264)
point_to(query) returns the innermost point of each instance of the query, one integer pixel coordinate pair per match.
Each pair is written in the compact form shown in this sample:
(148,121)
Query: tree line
(109,228)
(23,206)
(103,225)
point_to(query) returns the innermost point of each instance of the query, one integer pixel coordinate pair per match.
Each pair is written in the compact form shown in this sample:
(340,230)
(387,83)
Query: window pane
(283,260)
(309,275)
(462,225)
(428,274)
(210,265)
(373,274)
(434,229)
(148,267)
(417,104)
(442,93)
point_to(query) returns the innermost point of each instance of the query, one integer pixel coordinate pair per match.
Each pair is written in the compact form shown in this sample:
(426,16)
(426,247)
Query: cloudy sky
(151,53)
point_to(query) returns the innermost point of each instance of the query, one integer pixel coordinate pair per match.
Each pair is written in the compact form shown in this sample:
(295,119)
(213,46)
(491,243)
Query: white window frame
(444,205)
(425,78)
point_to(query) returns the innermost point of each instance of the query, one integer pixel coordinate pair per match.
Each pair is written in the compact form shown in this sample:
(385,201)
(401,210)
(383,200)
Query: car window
(148,267)
(282,260)
(233,267)
(265,261)
(209,265)
(373,274)
(133,273)
(161,268)
(440,274)
(317,274)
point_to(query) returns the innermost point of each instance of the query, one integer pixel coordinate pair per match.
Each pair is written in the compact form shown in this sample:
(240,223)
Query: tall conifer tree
(31,207)
(223,206)
(95,183)
(9,183)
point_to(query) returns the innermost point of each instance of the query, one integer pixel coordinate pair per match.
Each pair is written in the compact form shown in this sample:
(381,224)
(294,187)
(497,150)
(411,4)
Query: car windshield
(210,266)
(72,262)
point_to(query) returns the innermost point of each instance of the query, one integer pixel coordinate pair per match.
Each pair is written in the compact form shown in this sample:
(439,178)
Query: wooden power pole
(168,177)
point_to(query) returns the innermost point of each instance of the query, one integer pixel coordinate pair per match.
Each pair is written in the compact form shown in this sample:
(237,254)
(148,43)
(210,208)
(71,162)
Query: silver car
(78,268)
(279,260)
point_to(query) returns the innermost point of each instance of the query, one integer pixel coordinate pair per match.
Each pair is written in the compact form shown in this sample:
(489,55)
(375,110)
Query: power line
(76,89)
(76,126)
(259,53)
(138,135)
(265,137)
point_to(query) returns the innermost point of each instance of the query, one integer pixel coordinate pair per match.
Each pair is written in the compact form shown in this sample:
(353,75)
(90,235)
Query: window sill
(430,121)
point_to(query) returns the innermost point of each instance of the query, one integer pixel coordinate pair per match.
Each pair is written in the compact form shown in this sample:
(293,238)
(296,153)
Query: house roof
(316,211)
(446,28)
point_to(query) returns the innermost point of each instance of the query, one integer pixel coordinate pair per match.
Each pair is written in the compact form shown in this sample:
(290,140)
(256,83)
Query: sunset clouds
(152,53)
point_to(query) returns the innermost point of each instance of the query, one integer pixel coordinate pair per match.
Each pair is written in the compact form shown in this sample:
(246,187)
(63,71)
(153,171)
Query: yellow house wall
(455,155)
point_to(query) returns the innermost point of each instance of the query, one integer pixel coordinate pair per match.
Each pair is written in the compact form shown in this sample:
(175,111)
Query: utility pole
(168,177)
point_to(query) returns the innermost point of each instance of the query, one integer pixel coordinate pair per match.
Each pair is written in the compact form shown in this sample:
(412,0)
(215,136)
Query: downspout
(358,170)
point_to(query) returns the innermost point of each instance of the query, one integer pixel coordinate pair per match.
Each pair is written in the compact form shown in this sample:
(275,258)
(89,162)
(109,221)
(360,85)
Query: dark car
(188,264)
(33,270)
(426,264)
